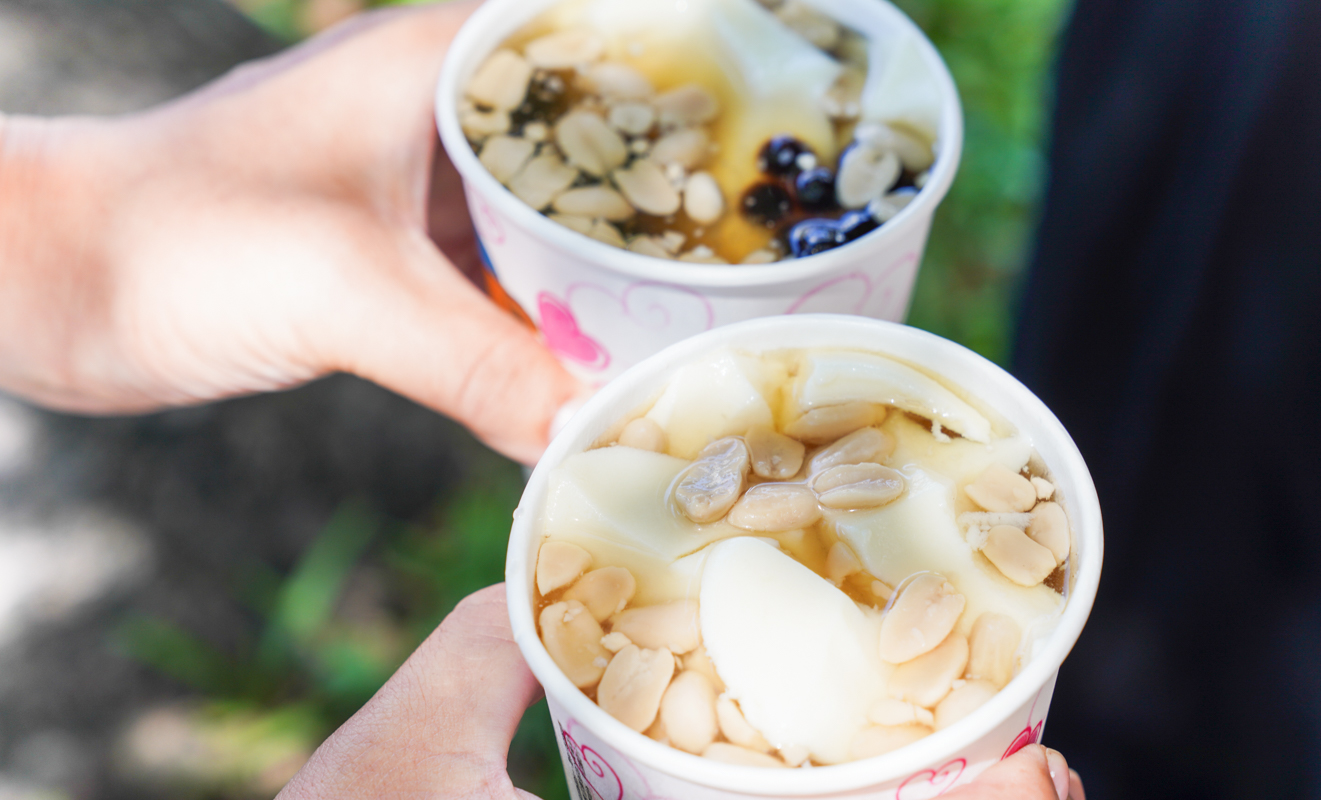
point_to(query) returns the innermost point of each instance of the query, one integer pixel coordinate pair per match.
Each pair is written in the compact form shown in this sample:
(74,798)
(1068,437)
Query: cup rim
(505,16)
(763,334)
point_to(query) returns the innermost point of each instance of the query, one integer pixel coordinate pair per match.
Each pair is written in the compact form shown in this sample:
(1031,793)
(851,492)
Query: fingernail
(1059,772)
(566,413)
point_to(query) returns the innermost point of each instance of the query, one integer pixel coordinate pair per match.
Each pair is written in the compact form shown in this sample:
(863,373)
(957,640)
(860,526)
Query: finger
(441,726)
(1075,786)
(427,333)
(1026,775)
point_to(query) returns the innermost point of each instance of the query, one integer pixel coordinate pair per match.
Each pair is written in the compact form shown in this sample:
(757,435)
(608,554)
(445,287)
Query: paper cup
(602,309)
(605,760)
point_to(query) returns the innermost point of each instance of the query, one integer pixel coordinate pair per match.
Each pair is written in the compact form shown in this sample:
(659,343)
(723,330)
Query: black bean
(813,236)
(779,157)
(766,203)
(855,224)
(816,189)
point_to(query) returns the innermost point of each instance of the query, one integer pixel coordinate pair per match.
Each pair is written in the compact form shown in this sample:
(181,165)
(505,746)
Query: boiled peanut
(841,563)
(688,711)
(736,728)
(702,254)
(920,618)
(536,132)
(573,639)
(649,246)
(826,424)
(559,563)
(687,147)
(614,642)
(762,256)
(863,445)
(644,434)
(588,143)
(501,81)
(891,711)
(913,152)
(702,199)
(795,755)
(645,186)
(741,756)
(1045,489)
(1001,489)
(687,105)
(657,732)
(858,486)
(962,701)
(1050,529)
(603,231)
(710,487)
(865,173)
(504,156)
(878,740)
(633,684)
(565,49)
(632,118)
(614,81)
(670,625)
(701,662)
(775,507)
(542,180)
(992,646)
(481,124)
(1018,558)
(573,222)
(600,202)
(604,591)
(928,678)
(774,456)
(811,24)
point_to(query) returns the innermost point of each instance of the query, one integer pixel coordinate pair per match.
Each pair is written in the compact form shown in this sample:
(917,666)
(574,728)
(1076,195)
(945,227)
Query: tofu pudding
(706,131)
(801,557)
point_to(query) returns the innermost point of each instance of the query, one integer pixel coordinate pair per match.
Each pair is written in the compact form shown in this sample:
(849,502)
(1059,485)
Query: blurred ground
(189,601)
(143,561)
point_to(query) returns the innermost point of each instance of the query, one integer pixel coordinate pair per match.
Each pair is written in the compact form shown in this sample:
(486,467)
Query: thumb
(441,726)
(1033,773)
(435,338)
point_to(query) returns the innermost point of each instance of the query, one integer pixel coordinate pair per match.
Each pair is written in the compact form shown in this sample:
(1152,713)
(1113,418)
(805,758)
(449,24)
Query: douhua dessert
(802,557)
(713,131)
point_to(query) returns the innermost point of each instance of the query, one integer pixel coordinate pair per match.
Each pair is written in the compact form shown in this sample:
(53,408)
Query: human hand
(441,726)
(267,229)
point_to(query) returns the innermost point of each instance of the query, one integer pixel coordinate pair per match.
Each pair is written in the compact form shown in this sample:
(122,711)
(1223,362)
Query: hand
(441,726)
(265,230)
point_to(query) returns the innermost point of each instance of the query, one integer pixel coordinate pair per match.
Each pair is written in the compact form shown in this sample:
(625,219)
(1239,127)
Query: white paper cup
(605,760)
(602,309)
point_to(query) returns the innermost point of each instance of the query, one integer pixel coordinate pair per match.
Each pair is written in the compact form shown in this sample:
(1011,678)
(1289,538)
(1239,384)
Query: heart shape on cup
(565,338)
(931,782)
(1025,737)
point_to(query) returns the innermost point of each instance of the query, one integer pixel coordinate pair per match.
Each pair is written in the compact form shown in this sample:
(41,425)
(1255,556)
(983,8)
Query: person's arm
(265,230)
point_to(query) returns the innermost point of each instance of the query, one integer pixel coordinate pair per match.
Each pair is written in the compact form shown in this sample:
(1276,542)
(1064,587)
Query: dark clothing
(1172,320)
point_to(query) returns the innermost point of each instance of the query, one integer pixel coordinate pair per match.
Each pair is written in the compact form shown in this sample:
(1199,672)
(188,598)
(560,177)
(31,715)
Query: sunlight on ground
(49,568)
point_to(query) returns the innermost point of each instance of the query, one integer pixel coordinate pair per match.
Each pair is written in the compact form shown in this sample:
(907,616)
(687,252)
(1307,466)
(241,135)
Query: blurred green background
(318,650)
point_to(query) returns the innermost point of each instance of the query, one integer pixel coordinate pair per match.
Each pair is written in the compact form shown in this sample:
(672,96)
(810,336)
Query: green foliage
(308,668)
(999,52)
